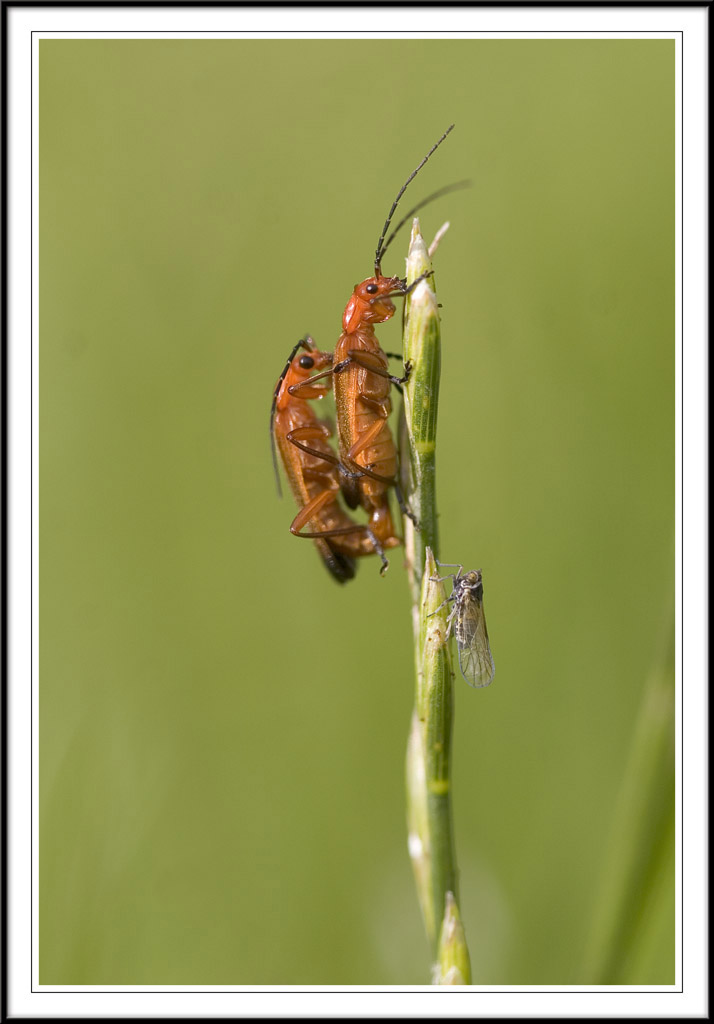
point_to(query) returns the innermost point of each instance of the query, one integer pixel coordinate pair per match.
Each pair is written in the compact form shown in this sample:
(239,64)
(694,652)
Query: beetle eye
(307,362)
(371,288)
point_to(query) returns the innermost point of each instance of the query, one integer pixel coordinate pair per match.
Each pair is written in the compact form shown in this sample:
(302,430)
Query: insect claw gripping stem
(402,292)
(422,277)
(407,373)
(404,508)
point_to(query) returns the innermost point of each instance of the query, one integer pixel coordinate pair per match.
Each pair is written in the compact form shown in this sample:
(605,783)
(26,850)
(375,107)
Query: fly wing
(475,658)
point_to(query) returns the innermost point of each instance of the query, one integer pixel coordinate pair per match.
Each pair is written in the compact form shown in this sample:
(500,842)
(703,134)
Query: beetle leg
(407,368)
(362,358)
(305,387)
(301,434)
(311,511)
(382,406)
(379,549)
(412,286)
(365,471)
(366,439)
(405,510)
(313,508)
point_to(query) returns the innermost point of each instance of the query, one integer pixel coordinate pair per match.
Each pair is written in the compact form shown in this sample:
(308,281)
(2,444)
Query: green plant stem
(639,852)
(429,809)
(422,348)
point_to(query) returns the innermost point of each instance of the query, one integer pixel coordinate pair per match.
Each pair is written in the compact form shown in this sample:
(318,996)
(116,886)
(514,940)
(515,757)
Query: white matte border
(691,525)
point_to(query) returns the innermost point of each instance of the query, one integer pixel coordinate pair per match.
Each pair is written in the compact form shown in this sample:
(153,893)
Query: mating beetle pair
(366,465)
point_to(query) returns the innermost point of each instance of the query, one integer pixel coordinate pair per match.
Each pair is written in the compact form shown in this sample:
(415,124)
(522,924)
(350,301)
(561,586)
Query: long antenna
(378,254)
(466,183)
(273,407)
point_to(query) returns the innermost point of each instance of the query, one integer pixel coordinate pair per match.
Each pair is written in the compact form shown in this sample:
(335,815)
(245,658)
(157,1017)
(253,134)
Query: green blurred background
(223,728)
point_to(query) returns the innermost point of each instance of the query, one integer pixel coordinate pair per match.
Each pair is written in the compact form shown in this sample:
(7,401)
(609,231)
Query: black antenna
(378,254)
(281,378)
(429,199)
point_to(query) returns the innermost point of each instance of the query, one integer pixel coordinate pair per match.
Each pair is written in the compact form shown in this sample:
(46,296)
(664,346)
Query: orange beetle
(313,470)
(362,385)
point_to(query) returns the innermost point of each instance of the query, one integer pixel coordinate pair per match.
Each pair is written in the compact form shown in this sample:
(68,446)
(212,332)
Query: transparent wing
(475,658)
